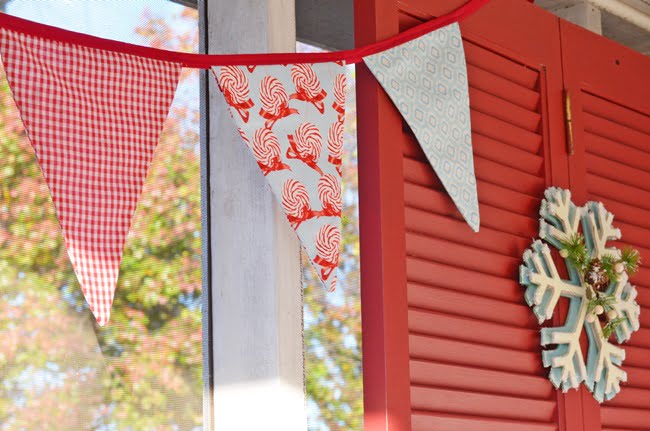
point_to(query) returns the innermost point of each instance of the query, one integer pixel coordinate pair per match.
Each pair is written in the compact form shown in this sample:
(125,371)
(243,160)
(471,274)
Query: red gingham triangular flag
(94,118)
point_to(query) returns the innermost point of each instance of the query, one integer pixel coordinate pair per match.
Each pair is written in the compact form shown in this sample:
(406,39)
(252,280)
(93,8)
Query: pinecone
(596,276)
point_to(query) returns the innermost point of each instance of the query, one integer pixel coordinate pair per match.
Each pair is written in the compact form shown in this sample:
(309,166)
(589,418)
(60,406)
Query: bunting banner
(426,78)
(291,118)
(94,110)
(93,118)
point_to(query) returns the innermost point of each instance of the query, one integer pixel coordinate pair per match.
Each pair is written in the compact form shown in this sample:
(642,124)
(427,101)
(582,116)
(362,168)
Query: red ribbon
(328,266)
(285,111)
(292,153)
(297,221)
(317,100)
(207,61)
(337,162)
(241,108)
(340,109)
(328,211)
(276,165)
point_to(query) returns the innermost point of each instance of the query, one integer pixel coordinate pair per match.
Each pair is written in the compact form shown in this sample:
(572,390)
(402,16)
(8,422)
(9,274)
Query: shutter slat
(613,150)
(439,349)
(627,419)
(492,127)
(495,173)
(631,397)
(615,132)
(639,377)
(496,85)
(489,405)
(625,212)
(425,373)
(431,224)
(633,235)
(620,192)
(505,68)
(488,149)
(427,421)
(461,304)
(504,110)
(507,155)
(472,330)
(614,171)
(614,112)
(637,356)
(640,338)
(491,194)
(459,279)
(419,172)
(438,202)
(454,254)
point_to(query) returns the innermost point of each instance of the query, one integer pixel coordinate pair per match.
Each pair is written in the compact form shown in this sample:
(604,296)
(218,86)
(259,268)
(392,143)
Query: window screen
(58,369)
(332,320)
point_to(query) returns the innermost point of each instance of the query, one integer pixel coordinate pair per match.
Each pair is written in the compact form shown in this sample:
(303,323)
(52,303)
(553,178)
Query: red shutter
(474,344)
(444,302)
(610,91)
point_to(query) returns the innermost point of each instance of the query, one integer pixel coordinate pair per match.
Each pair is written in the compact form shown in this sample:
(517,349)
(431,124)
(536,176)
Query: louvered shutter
(443,303)
(610,93)
(473,345)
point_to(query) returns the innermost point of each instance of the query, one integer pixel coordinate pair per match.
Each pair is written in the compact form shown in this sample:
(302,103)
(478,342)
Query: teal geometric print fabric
(426,79)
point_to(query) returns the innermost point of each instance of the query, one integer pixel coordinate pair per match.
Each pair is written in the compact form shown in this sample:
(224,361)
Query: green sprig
(608,262)
(631,258)
(605,300)
(611,327)
(576,251)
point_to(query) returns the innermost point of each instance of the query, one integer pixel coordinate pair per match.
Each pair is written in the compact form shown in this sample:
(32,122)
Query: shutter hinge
(569,124)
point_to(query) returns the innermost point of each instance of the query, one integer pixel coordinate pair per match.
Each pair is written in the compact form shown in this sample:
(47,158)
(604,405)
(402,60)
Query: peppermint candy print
(274,100)
(329,193)
(328,242)
(266,149)
(335,145)
(234,86)
(296,203)
(291,117)
(308,87)
(340,92)
(306,145)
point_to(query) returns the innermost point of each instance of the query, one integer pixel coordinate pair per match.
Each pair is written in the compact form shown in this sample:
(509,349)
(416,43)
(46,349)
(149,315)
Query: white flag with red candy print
(94,118)
(291,117)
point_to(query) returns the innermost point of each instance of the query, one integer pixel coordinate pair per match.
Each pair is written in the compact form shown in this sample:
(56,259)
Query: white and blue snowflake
(601,372)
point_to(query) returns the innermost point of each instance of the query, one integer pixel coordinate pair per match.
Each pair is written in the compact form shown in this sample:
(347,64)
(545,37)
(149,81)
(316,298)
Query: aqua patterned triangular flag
(426,79)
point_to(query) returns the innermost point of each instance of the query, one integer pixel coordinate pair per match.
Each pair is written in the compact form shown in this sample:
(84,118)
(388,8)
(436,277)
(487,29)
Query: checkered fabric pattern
(94,118)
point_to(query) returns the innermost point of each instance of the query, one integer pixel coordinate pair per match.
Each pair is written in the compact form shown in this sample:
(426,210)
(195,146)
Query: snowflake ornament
(560,221)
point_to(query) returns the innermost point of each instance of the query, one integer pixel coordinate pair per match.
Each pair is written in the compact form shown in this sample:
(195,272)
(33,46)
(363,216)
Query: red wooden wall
(449,343)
